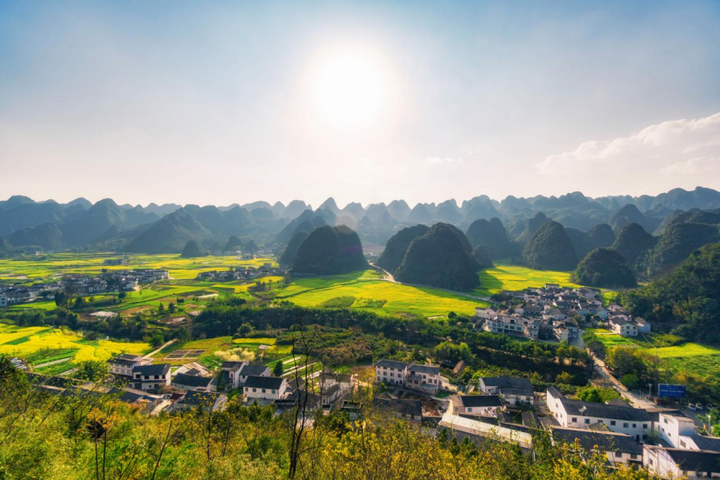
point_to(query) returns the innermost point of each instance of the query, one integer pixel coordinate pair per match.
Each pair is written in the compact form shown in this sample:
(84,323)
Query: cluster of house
(114,280)
(12,295)
(623,434)
(546,313)
(117,261)
(626,325)
(619,432)
(192,384)
(240,273)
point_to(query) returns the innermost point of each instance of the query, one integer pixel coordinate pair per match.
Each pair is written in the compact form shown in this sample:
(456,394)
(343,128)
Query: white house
(475,405)
(151,377)
(624,326)
(236,373)
(266,388)
(391,372)
(197,383)
(123,364)
(512,391)
(576,414)
(672,427)
(677,463)
(424,378)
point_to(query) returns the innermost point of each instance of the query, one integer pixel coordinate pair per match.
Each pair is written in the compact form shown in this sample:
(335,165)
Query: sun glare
(350,90)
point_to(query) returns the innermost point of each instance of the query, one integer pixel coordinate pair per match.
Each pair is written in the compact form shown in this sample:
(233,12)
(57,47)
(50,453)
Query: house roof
(711,444)
(233,365)
(695,461)
(600,410)
(426,369)
(510,385)
(191,380)
(159,369)
(391,364)
(590,440)
(253,370)
(264,382)
(480,400)
(206,399)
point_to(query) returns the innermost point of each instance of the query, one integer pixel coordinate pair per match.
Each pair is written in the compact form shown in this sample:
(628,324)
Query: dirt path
(170,342)
(54,362)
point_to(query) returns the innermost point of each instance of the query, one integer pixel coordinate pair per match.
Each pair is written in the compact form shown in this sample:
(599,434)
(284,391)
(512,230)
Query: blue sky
(217,102)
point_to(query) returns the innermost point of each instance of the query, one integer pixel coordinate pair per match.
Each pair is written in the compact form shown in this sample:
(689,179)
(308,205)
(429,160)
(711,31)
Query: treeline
(91,435)
(362,336)
(685,302)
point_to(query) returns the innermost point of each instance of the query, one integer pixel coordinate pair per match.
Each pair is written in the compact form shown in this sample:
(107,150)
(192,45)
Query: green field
(687,357)
(39,345)
(219,349)
(368,291)
(514,278)
(44,266)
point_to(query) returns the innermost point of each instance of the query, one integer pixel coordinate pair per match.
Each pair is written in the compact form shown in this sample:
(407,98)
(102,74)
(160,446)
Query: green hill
(482,255)
(632,242)
(550,248)
(330,251)
(288,256)
(397,246)
(439,258)
(493,235)
(604,267)
(6,249)
(192,249)
(47,236)
(233,244)
(170,234)
(675,245)
(686,301)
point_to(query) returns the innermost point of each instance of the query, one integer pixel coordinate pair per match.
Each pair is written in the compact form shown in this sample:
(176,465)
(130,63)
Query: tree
(161,309)
(92,370)
(624,360)
(278,368)
(564,377)
(171,307)
(61,299)
(157,340)
(631,381)
(79,302)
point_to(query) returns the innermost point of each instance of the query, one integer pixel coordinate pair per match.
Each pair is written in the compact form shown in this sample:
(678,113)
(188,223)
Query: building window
(626,425)
(574,419)
(612,422)
(587,420)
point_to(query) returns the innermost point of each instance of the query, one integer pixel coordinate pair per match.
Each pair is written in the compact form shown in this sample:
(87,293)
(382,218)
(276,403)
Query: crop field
(514,278)
(219,349)
(686,357)
(40,267)
(366,290)
(39,345)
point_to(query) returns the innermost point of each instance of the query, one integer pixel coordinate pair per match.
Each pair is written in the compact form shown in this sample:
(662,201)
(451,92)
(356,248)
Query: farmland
(514,278)
(40,345)
(688,357)
(367,290)
(46,266)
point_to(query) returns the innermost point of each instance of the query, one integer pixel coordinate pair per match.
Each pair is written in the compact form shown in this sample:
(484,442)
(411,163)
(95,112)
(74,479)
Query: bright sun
(350,90)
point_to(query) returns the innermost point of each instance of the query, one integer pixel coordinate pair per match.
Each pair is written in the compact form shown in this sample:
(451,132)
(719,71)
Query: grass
(44,339)
(366,290)
(515,278)
(686,357)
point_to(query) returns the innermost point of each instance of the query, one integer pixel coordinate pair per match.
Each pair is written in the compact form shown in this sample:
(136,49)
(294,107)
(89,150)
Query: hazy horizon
(223,102)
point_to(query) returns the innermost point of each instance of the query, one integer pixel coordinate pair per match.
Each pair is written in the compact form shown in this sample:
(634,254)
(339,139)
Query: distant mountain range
(105,225)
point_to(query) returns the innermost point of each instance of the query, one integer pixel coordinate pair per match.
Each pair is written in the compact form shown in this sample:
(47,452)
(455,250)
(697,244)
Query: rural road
(54,362)
(610,380)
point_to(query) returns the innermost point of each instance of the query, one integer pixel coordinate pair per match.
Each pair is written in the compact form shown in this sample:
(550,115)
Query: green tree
(278,368)
(157,340)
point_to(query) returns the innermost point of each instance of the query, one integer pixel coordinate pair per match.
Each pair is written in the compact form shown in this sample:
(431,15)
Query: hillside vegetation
(550,248)
(604,267)
(330,251)
(440,258)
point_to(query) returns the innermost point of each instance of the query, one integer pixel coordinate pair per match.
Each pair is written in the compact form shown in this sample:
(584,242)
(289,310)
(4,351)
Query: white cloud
(685,149)
(442,160)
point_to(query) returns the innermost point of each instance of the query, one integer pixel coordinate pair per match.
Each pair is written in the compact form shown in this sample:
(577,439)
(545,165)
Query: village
(555,313)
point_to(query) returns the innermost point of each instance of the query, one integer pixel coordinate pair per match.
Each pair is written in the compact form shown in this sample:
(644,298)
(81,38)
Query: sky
(231,102)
